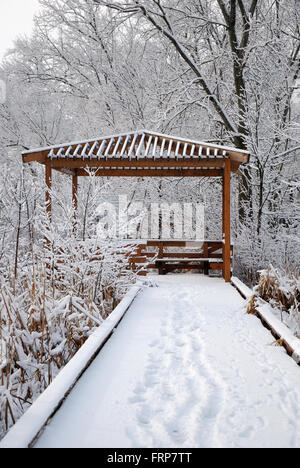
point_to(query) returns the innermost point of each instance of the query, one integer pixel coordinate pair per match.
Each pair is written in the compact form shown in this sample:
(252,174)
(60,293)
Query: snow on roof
(141,143)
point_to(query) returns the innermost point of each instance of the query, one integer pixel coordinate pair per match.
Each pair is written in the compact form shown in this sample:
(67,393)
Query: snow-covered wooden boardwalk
(186,368)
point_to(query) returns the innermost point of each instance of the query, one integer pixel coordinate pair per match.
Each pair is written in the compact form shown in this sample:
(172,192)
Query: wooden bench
(184,255)
(166,265)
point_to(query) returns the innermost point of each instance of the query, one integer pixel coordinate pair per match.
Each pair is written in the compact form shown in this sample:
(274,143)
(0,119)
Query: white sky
(16,18)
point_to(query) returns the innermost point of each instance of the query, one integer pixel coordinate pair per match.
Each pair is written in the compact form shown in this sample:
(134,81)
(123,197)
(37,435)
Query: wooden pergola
(144,154)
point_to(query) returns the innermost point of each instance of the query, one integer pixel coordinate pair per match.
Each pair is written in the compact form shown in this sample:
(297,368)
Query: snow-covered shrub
(282,291)
(48,314)
(279,287)
(39,335)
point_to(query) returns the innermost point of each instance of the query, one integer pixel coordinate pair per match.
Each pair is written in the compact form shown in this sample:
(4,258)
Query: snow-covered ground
(185,368)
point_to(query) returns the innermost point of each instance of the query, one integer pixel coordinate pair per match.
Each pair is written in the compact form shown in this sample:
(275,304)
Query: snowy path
(186,368)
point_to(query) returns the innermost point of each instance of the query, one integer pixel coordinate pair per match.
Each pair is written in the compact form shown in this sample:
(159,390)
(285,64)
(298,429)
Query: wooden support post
(223,205)
(48,175)
(161,250)
(223,220)
(75,198)
(75,191)
(48,200)
(226,221)
(206,264)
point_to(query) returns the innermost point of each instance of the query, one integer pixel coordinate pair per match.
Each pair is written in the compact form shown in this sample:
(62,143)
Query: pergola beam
(153,173)
(40,157)
(137,163)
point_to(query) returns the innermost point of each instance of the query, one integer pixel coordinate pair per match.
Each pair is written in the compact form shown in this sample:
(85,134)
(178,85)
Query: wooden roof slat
(141,143)
(135,146)
(202,143)
(117,146)
(102,146)
(162,148)
(170,148)
(132,145)
(69,151)
(148,145)
(78,148)
(127,138)
(155,146)
(84,151)
(93,148)
(112,140)
(61,153)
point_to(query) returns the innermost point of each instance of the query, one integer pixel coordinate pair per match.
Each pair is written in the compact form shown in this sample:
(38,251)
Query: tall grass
(48,311)
(282,290)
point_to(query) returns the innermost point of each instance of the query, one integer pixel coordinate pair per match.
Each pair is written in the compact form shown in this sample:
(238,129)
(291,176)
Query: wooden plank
(191,255)
(235,166)
(40,157)
(137,260)
(161,250)
(182,266)
(148,146)
(239,158)
(189,260)
(183,243)
(171,243)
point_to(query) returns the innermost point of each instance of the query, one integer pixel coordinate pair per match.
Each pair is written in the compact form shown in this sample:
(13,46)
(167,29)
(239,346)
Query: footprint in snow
(151,380)
(196,346)
(247,432)
(136,399)
(154,343)
(180,343)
